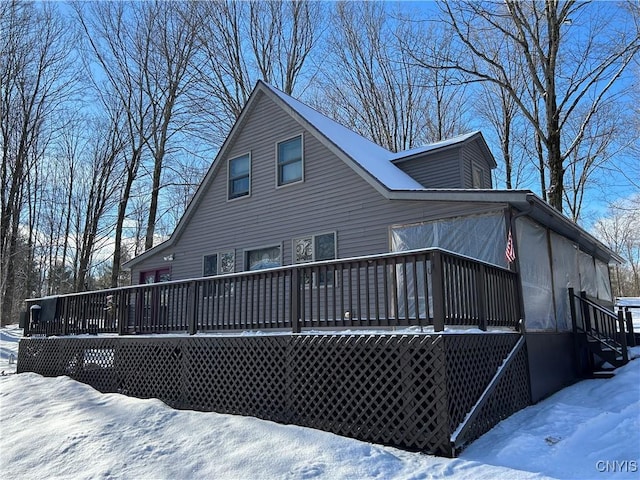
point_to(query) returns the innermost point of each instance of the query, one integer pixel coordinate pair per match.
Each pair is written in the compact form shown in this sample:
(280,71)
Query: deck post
(438,291)
(120,300)
(192,307)
(631,336)
(295,300)
(623,336)
(482,302)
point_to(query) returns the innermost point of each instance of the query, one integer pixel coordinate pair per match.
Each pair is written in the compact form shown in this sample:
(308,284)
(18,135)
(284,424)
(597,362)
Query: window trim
(229,160)
(245,255)
(277,155)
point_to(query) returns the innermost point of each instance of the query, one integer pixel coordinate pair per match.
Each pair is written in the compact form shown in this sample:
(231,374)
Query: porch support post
(438,290)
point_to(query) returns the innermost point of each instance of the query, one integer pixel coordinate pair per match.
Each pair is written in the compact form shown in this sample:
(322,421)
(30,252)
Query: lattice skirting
(409,391)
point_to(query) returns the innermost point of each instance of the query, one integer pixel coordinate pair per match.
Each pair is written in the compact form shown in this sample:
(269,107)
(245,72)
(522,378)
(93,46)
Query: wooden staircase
(604,335)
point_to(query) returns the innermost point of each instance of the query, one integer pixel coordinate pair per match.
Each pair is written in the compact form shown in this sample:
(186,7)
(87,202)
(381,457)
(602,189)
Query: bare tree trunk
(540,35)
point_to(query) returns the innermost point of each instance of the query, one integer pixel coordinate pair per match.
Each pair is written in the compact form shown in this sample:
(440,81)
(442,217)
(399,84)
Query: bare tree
(35,78)
(242,42)
(620,230)
(123,56)
(574,54)
(373,86)
(101,173)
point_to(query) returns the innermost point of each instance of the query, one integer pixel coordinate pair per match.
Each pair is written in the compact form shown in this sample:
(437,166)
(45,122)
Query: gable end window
(290,163)
(239,173)
(478,177)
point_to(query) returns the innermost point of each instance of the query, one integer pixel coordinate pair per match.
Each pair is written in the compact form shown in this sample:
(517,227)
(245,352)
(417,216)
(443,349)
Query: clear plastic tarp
(478,236)
(587,274)
(482,237)
(603,281)
(535,274)
(565,275)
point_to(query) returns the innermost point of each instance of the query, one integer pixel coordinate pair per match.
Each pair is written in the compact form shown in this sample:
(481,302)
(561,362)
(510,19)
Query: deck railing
(421,288)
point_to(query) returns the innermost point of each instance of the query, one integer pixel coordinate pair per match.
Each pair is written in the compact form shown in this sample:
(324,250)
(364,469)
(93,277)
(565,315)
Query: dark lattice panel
(381,389)
(151,368)
(410,391)
(239,375)
(39,355)
(472,361)
(510,395)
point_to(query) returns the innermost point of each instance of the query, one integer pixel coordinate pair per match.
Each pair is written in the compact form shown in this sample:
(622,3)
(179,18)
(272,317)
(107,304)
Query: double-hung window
(239,173)
(290,162)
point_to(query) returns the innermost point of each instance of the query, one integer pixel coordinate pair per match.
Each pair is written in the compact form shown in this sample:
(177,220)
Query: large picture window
(239,176)
(261,258)
(290,161)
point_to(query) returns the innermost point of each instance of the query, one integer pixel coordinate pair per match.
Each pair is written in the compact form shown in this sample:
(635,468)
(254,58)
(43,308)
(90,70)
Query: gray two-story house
(290,185)
(328,282)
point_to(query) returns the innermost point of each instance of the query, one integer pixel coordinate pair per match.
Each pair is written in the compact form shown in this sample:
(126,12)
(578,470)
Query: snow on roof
(433,146)
(373,158)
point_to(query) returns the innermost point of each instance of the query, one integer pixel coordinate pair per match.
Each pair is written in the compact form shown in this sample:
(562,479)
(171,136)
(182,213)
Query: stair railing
(600,325)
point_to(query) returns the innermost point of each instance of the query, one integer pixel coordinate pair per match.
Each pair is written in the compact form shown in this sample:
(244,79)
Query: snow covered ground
(59,428)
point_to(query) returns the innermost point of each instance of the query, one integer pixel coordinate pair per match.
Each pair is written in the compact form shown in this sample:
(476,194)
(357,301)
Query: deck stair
(604,335)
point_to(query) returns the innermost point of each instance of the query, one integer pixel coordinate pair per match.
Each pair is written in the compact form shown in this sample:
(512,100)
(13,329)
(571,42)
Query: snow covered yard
(59,428)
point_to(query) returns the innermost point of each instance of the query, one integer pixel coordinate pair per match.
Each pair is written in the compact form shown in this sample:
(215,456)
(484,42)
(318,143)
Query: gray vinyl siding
(332,197)
(437,170)
(473,157)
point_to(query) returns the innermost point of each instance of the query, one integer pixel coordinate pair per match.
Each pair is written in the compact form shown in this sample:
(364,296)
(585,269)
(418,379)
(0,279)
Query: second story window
(239,176)
(290,162)
(478,177)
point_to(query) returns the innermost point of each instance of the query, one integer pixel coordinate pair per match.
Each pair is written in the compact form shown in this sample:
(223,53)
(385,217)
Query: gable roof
(444,144)
(376,165)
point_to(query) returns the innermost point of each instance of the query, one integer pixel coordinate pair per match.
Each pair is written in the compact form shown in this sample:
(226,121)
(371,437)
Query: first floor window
(261,258)
(239,176)
(290,163)
(218,264)
(210,265)
(315,248)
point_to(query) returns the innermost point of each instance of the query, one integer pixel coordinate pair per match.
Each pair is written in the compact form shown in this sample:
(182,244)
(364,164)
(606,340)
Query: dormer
(463,162)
